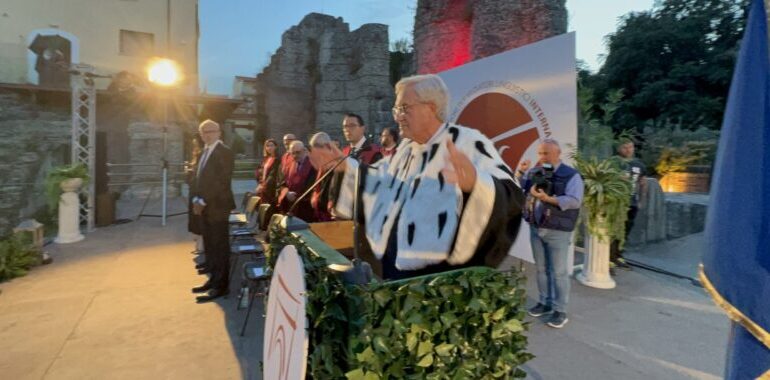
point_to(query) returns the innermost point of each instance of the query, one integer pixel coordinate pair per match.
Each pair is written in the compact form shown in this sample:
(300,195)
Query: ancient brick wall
(321,71)
(33,138)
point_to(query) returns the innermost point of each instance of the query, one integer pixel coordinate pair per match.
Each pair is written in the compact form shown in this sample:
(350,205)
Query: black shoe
(558,320)
(539,310)
(200,266)
(202,289)
(204,271)
(214,294)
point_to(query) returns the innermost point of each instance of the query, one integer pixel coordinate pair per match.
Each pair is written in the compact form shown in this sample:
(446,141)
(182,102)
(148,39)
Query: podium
(466,322)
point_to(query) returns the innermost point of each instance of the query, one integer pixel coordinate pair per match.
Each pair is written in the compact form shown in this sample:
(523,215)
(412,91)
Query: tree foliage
(401,60)
(673,63)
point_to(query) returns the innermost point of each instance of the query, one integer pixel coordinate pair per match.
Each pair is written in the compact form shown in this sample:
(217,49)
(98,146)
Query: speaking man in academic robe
(212,198)
(443,201)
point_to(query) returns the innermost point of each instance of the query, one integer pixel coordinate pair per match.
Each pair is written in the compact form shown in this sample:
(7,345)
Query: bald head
(288,139)
(297,150)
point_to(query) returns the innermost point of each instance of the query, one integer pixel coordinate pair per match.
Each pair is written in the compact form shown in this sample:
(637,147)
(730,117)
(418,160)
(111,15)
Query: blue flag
(736,262)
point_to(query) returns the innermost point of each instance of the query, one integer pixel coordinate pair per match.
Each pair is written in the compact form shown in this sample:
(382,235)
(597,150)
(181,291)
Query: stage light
(164,72)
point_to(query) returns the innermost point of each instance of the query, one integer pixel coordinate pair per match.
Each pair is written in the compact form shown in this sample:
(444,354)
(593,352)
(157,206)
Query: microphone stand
(360,272)
(295,226)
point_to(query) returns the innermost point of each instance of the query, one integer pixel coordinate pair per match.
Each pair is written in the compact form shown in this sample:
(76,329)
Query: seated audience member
(299,178)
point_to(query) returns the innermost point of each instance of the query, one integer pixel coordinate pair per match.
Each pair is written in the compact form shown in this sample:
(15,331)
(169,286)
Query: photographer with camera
(554,195)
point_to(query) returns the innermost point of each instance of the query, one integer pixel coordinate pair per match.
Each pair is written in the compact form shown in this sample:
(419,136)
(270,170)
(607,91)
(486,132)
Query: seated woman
(270,167)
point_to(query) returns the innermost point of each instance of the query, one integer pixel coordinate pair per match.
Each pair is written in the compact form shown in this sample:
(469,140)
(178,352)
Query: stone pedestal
(596,269)
(69,212)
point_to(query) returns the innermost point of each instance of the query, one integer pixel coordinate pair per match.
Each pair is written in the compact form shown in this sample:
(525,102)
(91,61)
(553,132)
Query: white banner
(285,341)
(517,98)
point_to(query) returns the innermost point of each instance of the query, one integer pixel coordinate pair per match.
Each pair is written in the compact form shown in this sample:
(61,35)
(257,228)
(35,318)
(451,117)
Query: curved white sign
(285,339)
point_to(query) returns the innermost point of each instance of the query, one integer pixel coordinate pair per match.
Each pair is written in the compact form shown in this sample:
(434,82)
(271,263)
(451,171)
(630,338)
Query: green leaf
(410,303)
(380,345)
(356,374)
(411,341)
(424,348)
(498,314)
(444,349)
(426,361)
(383,296)
(367,356)
(513,325)
(448,319)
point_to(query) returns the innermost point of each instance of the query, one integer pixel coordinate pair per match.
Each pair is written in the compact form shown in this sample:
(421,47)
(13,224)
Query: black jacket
(212,184)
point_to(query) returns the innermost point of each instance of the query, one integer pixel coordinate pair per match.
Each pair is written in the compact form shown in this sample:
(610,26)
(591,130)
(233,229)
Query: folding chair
(256,281)
(244,246)
(241,219)
(264,214)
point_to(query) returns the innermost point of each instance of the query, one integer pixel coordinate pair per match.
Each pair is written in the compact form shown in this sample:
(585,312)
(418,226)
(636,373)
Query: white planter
(596,269)
(71,185)
(69,212)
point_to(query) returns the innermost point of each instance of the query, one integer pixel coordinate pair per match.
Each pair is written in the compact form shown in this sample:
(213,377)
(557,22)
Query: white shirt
(207,150)
(359,144)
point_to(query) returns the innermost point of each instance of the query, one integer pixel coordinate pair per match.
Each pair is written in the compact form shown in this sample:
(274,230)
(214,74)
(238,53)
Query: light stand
(164,73)
(164,164)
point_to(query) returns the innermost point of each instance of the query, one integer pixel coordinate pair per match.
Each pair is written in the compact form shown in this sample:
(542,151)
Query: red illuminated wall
(450,33)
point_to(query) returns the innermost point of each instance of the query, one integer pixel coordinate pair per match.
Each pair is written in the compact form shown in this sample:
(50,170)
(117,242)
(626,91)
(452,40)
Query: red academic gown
(298,180)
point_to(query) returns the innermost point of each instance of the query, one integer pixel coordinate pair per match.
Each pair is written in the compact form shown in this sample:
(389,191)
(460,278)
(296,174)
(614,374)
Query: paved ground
(118,305)
(651,326)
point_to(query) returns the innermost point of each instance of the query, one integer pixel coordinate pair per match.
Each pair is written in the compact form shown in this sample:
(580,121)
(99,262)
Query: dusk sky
(239,36)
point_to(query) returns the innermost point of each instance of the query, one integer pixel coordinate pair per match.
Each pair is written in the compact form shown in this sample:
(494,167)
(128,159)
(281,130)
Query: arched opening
(50,52)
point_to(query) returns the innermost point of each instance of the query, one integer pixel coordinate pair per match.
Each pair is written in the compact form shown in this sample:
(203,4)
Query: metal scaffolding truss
(84,133)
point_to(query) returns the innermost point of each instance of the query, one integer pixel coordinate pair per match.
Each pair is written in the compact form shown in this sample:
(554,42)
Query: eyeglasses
(296,152)
(403,109)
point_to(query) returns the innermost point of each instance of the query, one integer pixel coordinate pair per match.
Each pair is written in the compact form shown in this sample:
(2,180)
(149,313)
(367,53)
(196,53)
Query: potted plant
(64,179)
(606,199)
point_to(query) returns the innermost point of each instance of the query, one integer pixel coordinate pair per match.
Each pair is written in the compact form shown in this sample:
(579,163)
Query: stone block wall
(146,148)
(685,214)
(665,216)
(33,139)
(321,71)
(449,33)
(650,225)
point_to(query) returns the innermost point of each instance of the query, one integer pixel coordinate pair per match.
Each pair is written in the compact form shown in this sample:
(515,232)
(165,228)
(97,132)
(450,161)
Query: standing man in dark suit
(212,198)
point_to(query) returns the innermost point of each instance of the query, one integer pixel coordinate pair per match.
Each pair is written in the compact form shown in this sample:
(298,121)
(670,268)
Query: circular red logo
(503,120)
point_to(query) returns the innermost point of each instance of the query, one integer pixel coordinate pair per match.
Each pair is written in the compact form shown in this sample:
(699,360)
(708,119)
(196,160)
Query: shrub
(16,257)
(453,325)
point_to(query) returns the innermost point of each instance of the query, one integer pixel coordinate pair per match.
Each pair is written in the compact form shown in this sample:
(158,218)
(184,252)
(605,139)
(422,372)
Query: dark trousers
(615,251)
(216,244)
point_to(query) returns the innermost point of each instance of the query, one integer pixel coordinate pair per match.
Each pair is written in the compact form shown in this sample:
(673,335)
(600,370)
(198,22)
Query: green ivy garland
(456,325)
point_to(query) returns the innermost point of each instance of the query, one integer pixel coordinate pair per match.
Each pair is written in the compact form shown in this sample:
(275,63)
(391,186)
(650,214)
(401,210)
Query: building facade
(40,38)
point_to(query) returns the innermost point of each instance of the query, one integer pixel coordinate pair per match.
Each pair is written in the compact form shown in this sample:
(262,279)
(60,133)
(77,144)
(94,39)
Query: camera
(542,178)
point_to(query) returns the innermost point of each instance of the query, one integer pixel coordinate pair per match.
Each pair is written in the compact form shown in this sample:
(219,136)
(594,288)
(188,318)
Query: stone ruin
(33,138)
(321,71)
(449,33)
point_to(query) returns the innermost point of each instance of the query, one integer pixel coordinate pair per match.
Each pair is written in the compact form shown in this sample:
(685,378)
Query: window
(136,43)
